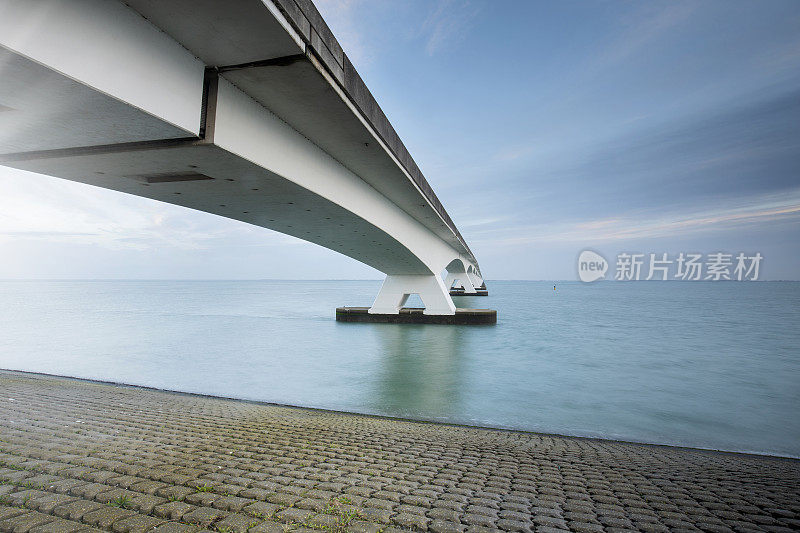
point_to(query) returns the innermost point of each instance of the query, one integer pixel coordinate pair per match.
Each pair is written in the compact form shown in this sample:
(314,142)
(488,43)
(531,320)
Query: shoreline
(403,419)
(78,454)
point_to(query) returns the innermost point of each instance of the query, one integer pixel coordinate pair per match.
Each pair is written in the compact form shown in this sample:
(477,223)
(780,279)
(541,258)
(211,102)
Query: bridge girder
(97,94)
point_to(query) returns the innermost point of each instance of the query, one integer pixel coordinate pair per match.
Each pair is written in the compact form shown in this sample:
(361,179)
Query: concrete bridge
(247,109)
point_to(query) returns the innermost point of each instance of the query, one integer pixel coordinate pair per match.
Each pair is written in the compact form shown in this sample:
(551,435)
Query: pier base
(414,315)
(461,292)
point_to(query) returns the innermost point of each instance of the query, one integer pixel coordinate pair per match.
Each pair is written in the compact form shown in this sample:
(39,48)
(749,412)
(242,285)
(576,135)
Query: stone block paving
(80,456)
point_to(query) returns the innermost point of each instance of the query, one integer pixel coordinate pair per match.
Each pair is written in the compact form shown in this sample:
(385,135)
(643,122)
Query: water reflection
(422,370)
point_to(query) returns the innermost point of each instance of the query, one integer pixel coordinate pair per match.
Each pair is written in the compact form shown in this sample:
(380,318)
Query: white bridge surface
(247,109)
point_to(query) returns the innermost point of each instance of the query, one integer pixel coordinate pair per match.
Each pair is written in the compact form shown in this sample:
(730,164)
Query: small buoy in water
(554,287)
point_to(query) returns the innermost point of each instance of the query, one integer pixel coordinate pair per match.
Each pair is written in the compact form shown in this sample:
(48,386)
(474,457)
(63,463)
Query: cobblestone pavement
(78,455)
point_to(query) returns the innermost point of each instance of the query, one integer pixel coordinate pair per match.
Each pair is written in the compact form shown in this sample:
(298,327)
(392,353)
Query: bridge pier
(474,285)
(396,290)
(389,305)
(456,272)
(477,283)
(476,280)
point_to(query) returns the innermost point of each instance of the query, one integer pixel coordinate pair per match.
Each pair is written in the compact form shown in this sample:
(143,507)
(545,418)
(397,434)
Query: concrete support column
(457,273)
(395,291)
(476,280)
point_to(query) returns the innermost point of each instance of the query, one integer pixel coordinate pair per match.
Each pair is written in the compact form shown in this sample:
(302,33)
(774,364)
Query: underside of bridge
(247,109)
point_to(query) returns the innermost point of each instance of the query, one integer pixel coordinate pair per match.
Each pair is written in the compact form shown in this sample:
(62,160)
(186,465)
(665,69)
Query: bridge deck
(247,109)
(313,86)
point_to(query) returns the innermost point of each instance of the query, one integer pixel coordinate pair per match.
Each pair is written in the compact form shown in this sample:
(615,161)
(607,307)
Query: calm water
(703,364)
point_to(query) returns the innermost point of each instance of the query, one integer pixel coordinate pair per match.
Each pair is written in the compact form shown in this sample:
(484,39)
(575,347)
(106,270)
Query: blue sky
(544,127)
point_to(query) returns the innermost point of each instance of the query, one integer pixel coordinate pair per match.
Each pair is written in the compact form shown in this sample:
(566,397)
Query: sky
(545,128)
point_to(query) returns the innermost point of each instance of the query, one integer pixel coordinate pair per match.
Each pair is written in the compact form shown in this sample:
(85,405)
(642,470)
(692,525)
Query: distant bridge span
(248,109)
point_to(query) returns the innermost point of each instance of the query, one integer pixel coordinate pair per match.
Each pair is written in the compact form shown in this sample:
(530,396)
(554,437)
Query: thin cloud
(42,208)
(643,28)
(447,23)
(472,223)
(768,209)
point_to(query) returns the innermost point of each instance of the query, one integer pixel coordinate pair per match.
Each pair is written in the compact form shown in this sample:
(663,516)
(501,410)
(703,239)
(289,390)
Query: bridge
(248,109)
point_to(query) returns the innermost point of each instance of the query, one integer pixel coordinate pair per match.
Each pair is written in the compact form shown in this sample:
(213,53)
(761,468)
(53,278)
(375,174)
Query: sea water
(705,364)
